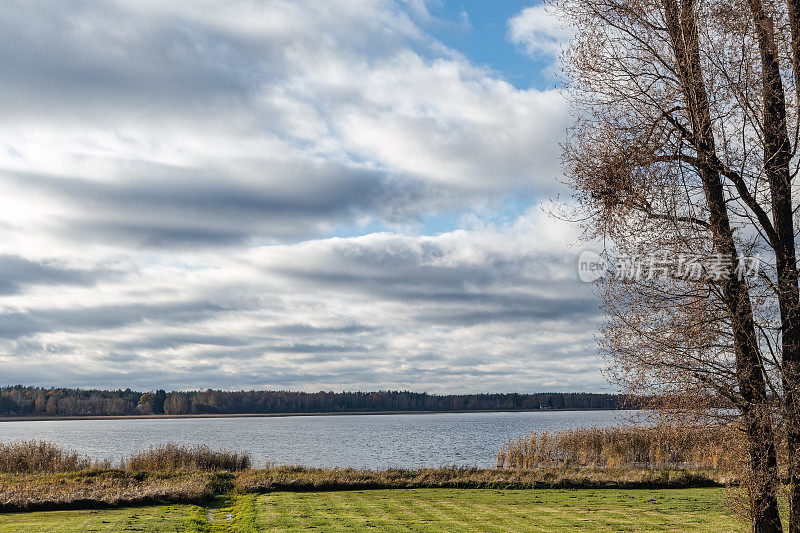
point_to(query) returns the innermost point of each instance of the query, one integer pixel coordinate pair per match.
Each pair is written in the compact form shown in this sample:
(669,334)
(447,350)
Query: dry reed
(102,488)
(661,446)
(40,475)
(171,457)
(301,478)
(41,456)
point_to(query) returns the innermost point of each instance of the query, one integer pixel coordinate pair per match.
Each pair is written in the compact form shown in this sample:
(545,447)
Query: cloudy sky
(286,194)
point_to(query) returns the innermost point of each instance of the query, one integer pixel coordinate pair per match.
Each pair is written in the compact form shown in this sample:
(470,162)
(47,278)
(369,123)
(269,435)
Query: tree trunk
(777,156)
(763,463)
(749,373)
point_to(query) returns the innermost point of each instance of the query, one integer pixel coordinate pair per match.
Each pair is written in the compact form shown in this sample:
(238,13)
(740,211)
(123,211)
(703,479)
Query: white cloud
(539,31)
(268,98)
(167,186)
(490,308)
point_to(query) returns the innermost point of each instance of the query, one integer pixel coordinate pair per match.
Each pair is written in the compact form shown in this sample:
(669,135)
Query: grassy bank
(315,479)
(546,510)
(103,488)
(42,476)
(201,490)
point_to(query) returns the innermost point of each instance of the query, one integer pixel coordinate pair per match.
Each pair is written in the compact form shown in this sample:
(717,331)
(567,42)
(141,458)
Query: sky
(305,195)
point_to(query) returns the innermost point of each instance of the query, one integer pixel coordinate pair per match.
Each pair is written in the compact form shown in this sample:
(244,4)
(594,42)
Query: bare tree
(685,144)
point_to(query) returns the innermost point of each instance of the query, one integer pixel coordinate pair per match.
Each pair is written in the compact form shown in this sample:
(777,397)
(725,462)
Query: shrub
(196,458)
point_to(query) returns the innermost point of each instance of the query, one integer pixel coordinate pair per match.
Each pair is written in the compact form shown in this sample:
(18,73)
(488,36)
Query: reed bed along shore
(95,488)
(40,475)
(103,488)
(196,458)
(661,447)
(39,456)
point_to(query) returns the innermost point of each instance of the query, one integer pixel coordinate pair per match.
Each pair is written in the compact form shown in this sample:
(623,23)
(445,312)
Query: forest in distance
(24,401)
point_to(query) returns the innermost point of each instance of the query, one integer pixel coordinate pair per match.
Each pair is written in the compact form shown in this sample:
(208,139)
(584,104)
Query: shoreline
(280,415)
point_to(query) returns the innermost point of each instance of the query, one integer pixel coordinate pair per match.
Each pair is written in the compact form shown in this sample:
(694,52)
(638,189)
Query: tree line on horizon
(20,400)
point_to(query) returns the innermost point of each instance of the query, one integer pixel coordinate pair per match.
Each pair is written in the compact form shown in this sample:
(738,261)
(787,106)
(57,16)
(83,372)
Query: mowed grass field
(151,518)
(545,510)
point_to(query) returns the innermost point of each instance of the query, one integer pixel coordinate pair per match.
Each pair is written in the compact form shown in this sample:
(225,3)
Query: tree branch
(730,174)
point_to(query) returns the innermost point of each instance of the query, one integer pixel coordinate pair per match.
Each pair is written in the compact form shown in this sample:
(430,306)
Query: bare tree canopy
(684,146)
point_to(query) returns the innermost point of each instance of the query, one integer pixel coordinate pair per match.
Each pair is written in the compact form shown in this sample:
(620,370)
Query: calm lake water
(373,441)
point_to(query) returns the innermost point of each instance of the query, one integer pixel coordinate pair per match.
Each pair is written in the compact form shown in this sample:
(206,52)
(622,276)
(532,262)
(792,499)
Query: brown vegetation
(45,457)
(40,475)
(100,488)
(171,457)
(301,478)
(40,456)
(661,447)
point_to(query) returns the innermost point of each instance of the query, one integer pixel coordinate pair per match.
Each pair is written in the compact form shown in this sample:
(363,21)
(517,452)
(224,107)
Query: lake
(373,441)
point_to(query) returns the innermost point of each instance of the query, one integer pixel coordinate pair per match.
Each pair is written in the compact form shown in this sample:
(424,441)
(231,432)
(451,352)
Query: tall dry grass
(171,457)
(661,446)
(46,457)
(101,488)
(40,475)
(291,478)
(41,456)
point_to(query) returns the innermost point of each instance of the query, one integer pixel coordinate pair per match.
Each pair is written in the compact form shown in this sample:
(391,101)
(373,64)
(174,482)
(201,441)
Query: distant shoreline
(281,415)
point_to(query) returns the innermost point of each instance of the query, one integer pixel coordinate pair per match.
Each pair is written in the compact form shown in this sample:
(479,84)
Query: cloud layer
(177,191)
(539,31)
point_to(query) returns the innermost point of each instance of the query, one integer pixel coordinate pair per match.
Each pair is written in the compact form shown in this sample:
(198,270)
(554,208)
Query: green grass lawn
(151,518)
(545,510)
